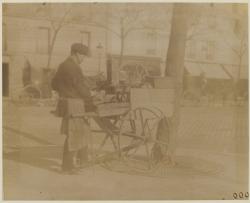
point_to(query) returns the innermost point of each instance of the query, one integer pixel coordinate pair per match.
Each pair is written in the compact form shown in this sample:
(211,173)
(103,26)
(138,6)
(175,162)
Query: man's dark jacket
(70,82)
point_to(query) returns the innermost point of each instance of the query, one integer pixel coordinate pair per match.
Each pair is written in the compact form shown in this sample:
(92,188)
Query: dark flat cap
(79,48)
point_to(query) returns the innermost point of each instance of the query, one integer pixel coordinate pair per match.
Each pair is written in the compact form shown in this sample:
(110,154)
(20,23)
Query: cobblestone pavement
(212,160)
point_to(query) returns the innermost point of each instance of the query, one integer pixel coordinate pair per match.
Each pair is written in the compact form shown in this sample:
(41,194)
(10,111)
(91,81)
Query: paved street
(212,160)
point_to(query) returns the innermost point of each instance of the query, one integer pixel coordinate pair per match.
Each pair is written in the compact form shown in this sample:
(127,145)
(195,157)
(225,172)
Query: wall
(24,40)
(217,38)
(211,44)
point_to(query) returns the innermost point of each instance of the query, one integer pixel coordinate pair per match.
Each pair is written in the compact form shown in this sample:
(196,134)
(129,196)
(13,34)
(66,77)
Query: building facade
(217,41)
(219,50)
(212,42)
(29,38)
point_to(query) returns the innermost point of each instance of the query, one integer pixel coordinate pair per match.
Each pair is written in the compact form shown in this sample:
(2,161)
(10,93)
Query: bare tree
(58,20)
(47,11)
(123,19)
(196,27)
(236,40)
(240,48)
(198,21)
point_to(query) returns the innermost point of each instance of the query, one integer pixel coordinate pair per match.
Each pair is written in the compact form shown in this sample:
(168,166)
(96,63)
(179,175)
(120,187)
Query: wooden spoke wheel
(137,138)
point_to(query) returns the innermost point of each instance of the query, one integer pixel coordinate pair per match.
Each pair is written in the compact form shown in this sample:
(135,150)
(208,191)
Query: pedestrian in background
(74,100)
(26,76)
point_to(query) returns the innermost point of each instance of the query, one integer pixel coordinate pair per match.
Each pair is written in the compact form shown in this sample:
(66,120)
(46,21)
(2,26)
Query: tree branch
(233,49)
(53,25)
(143,27)
(131,29)
(62,22)
(96,24)
(244,49)
(134,18)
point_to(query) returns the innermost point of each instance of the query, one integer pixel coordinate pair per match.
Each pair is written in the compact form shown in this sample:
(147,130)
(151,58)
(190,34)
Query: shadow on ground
(45,157)
(185,166)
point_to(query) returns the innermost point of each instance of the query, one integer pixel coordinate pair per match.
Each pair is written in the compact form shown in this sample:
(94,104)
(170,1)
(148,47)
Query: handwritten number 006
(240,195)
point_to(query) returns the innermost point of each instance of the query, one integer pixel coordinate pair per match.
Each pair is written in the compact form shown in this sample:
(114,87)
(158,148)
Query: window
(22,39)
(151,40)
(5,7)
(5,47)
(151,51)
(203,50)
(91,13)
(85,38)
(210,50)
(5,79)
(237,27)
(191,50)
(43,40)
(66,37)
(212,22)
(235,8)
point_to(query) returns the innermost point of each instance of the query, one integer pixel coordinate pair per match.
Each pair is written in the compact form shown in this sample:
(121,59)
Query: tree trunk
(46,87)
(51,47)
(122,37)
(238,77)
(121,53)
(175,66)
(237,80)
(239,70)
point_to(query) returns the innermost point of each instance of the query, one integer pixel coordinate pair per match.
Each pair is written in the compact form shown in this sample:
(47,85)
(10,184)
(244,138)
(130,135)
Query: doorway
(5,79)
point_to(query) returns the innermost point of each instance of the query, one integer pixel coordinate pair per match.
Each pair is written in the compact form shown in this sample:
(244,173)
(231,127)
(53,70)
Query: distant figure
(109,69)
(224,93)
(26,77)
(75,100)
(203,83)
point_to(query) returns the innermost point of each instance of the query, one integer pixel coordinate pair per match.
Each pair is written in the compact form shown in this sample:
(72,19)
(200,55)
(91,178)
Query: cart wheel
(137,138)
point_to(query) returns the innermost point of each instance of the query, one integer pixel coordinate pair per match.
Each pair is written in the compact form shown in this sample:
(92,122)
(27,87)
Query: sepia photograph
(125,101)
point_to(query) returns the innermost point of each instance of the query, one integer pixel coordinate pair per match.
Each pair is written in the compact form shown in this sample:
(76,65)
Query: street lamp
(99,50)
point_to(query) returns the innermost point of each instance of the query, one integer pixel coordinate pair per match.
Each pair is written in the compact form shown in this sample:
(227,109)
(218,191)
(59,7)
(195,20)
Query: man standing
(26,73)
(75,100)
